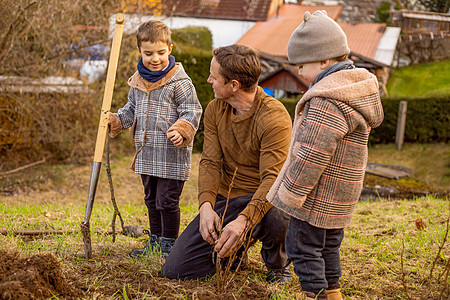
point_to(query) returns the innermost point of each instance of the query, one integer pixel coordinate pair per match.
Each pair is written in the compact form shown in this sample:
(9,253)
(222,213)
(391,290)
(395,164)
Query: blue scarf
(155,76)
(345,65)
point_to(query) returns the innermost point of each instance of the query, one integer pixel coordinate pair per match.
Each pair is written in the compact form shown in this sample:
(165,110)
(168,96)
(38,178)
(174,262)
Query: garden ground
(384,254)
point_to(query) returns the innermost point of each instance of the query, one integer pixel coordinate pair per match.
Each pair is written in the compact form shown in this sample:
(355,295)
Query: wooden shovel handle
(109,88)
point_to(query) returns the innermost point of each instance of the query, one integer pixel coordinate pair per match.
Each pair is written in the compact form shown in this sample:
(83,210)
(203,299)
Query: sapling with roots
(224,272)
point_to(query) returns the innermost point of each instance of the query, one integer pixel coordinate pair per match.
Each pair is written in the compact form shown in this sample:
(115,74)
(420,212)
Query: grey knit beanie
(317,38)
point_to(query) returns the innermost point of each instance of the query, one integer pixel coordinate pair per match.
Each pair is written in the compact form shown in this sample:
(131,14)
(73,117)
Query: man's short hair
(240,63)
(153,31)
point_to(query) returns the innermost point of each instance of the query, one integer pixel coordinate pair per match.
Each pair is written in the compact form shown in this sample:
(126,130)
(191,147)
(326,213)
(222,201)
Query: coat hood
(353,87)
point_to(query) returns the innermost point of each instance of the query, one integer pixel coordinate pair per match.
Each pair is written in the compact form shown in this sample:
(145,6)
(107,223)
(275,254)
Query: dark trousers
(315,254)
(162,198)
(192,257)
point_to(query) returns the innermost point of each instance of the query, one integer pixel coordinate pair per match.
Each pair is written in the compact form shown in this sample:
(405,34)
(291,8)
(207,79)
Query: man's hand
(175,137)
(209,223)
(233,235)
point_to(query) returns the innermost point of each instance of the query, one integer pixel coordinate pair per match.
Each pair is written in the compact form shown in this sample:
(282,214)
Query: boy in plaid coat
(321,180)
(164,113)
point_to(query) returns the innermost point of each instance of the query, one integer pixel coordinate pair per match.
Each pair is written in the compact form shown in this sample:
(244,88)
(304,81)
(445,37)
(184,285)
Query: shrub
(427,119)
(47,125)
(290,104)
(196,58)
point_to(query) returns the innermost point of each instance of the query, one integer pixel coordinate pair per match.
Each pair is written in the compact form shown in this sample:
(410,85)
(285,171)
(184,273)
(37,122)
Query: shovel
(102,130)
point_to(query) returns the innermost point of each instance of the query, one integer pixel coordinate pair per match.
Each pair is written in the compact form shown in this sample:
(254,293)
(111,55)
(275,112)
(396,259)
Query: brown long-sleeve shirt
(255,143)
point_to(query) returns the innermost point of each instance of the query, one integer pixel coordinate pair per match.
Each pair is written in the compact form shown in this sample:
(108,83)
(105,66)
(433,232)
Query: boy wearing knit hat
(321,180)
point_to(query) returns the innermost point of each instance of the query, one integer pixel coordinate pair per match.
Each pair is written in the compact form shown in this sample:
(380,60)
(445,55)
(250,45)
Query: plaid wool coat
(153,108)
(322,178)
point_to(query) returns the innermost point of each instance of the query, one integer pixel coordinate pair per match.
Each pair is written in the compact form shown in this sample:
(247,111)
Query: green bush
(427,119)
(193,48)
(197,67)
(290,104)
(383,13)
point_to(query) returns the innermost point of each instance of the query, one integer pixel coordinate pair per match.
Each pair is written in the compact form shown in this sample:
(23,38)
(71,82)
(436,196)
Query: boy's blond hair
(153,31)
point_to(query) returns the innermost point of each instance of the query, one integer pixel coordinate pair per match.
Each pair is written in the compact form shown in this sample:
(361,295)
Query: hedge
(427,119)
(193,48)
(197,67)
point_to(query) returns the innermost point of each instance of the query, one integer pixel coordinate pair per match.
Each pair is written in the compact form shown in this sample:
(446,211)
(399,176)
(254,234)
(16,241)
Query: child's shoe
(281,275)
(334,294)
(152,246)
(312,296)
(166,246)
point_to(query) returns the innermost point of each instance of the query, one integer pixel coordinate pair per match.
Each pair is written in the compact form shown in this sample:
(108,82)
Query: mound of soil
(403,188)
(35,277)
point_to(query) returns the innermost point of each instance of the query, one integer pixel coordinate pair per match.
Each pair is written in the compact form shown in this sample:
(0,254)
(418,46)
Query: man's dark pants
(314,252)
(192,257)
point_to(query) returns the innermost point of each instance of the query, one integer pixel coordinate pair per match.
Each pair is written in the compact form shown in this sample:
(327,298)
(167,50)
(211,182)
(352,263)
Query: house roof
(272,36)
(363,38)
(426,15)
(387,46)
(223,9)
(278,73)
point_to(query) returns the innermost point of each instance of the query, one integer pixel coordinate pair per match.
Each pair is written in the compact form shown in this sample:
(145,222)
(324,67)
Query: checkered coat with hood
(322,178)
(151,110)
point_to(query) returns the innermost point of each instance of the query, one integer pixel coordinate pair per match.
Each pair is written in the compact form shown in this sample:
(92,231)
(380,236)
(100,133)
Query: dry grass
(372,248)
(53,197)
(429,162)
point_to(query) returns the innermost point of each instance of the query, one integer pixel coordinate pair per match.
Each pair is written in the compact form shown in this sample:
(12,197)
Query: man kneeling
(247,132)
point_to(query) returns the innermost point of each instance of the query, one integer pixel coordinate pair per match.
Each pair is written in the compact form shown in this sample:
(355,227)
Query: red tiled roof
(363,38)
(223,9)
(272,36)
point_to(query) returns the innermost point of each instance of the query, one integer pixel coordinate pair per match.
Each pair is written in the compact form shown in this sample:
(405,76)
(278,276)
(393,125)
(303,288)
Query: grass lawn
(384,255)
(420,80)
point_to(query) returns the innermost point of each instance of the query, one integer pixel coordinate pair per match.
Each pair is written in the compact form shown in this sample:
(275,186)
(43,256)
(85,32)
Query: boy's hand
(174,136)
(114,125)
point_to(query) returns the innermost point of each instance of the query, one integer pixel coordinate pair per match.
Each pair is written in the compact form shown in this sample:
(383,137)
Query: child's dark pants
(162,197)
(315,254)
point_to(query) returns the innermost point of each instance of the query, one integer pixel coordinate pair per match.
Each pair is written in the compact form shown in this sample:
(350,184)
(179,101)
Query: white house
(228,20)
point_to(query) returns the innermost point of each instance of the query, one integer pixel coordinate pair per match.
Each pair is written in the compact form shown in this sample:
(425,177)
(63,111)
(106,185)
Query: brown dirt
(41,277)
(35,277)
(118,274)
